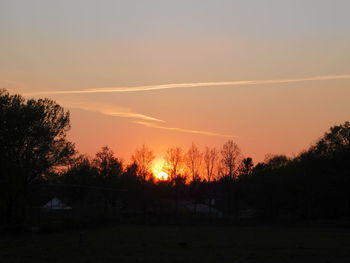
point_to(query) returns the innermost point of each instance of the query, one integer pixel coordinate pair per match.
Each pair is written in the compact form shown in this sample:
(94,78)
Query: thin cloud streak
(110,110)
(132,115)
(189,85)
(207,133)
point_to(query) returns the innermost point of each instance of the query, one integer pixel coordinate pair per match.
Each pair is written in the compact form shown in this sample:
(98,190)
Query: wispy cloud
(107,109)
(207,133)
(142,119)
(188,85)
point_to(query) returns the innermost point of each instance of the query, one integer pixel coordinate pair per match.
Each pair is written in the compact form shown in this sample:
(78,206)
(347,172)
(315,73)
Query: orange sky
(89,46)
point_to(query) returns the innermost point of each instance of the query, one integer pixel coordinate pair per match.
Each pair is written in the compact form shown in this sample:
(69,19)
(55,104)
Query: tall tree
(230,157)
(109,169)
(210,158)
(143,158)
(193,161)
(108,165)
(210,162)
(33,141)
(174,161)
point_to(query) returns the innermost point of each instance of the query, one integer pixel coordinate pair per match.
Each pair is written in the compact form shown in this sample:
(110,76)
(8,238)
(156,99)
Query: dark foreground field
(181,244)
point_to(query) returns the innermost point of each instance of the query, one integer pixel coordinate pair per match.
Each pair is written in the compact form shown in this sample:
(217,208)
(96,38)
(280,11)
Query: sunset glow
(175,131)
(175,73)
(158,170)
(163,176)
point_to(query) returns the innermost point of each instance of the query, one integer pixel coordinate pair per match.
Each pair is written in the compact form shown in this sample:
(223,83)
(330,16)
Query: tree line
(35,151)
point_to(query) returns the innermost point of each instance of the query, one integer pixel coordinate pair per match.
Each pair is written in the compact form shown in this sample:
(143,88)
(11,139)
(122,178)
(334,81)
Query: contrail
(188,85)
(207,133)
(107,109)
(133,115)
(145,120)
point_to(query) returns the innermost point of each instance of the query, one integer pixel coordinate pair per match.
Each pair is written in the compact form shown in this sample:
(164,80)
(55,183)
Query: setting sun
(158,170)
(163,176)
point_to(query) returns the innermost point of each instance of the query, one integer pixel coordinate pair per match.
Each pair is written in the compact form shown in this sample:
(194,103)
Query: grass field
(181,244)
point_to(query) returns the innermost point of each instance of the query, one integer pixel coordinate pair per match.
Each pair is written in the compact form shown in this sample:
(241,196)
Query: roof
(56,204)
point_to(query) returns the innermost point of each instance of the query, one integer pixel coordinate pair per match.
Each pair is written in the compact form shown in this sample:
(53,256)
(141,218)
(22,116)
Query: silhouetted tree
(32,143)
(110,170)
(336,140)
(230,158)
(210,158)
(35,152)
(108,166)
(246,166)
(276,161)
(173,161)
(80,178)
(143,158)
(193,161)
(129,178)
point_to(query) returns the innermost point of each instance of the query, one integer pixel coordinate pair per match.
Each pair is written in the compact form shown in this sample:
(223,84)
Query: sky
(272,75)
